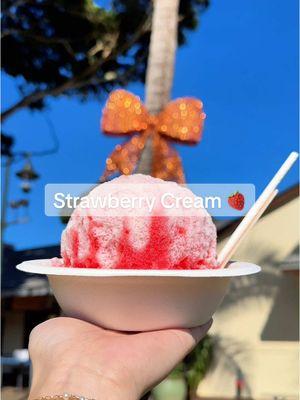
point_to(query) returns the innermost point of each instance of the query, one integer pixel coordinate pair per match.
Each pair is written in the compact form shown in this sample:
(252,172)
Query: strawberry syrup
(155,255)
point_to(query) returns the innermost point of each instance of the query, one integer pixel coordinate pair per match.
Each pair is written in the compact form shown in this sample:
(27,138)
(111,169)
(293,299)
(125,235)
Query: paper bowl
(139,300)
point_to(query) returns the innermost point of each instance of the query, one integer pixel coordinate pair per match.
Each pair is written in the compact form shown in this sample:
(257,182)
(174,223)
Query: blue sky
(242,63)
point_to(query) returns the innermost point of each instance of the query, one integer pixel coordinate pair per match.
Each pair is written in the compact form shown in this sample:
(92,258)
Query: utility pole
(26,174)
(6,147)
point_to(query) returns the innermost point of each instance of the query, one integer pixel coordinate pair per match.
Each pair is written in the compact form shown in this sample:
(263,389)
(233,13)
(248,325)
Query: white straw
(255,211)
(242,235)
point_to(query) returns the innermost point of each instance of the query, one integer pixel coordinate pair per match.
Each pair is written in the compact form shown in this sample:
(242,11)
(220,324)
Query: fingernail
(209,323)
(201,331)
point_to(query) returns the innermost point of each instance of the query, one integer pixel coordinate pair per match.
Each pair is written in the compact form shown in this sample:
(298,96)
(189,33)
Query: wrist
(80,381)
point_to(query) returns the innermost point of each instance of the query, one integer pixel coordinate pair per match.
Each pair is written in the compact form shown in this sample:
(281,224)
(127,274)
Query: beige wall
(256,327)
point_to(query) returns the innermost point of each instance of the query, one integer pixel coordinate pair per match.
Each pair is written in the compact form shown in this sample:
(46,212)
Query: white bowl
(139,300)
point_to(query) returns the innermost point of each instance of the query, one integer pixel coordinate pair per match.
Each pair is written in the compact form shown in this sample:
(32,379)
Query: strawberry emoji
(236,201)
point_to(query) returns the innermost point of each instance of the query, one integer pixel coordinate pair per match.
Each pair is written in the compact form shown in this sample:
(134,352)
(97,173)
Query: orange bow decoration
(124,114)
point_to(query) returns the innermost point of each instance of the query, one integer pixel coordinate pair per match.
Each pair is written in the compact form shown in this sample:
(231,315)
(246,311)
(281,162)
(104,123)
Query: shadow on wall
(230,355)
(283,321)
(264,285)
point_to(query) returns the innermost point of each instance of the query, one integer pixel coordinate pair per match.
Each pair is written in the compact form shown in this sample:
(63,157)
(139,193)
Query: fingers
(186,339)
(183,341)
(200,331)
(174,341)
(162,350)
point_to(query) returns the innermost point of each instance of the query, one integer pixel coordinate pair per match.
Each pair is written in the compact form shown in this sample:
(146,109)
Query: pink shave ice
(143,240)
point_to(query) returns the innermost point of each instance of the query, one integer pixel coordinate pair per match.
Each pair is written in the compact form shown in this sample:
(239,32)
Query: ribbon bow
(124,114)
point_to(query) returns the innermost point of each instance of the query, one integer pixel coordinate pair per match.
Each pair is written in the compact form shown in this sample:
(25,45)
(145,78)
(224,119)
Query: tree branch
(39,38)
(76,81)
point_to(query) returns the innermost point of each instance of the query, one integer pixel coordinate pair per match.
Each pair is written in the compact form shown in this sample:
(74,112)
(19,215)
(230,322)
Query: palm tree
(160,68)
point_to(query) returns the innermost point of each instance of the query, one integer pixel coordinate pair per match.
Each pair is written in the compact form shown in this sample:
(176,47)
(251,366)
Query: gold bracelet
(65,396)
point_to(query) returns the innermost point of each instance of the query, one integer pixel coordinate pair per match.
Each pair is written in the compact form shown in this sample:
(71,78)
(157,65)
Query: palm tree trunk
(160,68)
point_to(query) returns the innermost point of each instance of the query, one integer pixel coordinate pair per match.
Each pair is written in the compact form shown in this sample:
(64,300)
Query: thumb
(199,332)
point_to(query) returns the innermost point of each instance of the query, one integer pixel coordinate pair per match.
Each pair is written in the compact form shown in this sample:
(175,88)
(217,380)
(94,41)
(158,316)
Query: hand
(73,356)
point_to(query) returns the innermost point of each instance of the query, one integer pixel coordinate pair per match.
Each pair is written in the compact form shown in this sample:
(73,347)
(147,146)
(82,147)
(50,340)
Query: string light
(124,114)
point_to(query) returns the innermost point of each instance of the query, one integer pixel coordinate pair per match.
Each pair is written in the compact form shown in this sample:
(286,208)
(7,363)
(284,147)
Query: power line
(20,155)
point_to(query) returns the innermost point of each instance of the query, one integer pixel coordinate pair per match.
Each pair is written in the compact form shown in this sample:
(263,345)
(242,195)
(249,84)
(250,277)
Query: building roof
(18,283)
